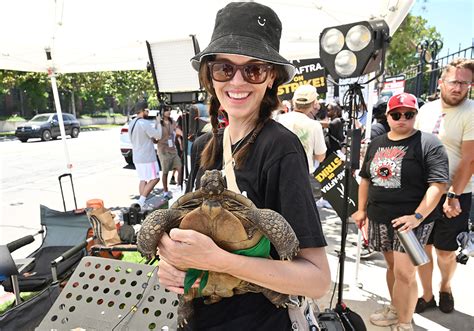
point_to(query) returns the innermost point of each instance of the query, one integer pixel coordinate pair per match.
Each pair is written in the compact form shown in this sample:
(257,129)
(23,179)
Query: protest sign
(308,72)
(330,174)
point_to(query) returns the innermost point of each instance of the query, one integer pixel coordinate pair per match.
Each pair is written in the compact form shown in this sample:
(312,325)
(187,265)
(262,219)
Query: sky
(452,18)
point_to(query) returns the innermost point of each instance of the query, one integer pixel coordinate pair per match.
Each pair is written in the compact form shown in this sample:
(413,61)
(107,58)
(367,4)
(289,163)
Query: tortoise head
(212,182)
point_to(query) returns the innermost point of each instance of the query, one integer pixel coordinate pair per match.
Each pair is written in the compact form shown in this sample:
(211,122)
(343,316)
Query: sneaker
(321,203)
(446,302)
(366,252)
(168,195)
(422,305)
(402,327)
(384,317)
(172,181)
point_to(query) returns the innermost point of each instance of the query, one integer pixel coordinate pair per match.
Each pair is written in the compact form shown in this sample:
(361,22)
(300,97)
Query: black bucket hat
(246,28)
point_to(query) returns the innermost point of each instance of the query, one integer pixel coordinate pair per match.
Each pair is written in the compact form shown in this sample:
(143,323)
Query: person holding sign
(241,69)
(404,175)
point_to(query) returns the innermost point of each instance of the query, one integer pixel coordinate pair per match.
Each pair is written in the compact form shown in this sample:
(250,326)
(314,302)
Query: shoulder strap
(131,131)
(228,164)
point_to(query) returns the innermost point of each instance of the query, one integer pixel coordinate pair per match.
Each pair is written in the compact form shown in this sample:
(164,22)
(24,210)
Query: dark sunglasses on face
(408,115)
(254,73)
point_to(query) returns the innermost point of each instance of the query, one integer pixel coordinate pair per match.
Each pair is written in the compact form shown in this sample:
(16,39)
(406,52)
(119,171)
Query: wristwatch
(419,217)
(452,195)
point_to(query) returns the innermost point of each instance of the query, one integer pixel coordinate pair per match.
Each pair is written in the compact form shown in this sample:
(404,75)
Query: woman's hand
(186,249)
(407,222)
(360,218)
(170,277)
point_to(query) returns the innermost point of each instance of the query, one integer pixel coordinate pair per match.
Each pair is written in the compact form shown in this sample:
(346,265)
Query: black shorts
(382,237)
(446,230)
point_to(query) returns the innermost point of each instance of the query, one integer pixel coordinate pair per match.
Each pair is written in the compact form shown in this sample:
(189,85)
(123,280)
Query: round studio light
(345,63)
(332,41)
(358,37)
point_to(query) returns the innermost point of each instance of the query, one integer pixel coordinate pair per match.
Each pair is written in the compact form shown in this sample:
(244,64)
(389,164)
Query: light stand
(349,51)
(355,98)
(174,78)
(184,160)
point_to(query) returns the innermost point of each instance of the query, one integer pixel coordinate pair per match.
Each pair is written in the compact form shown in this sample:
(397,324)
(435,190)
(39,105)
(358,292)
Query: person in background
(403,177)
(322,113)
(335,128)
(241,69)
(309,131)
(451,118)
(144,156)
(381,126)
(167,152)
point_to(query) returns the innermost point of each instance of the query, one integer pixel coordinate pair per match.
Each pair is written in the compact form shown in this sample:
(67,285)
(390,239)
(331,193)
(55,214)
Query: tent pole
(57,104)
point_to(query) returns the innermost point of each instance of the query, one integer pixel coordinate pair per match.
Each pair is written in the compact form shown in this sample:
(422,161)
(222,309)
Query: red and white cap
(402,100)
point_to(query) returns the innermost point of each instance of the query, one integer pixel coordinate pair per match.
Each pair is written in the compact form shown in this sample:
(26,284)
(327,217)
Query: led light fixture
(355,49)
(171,67)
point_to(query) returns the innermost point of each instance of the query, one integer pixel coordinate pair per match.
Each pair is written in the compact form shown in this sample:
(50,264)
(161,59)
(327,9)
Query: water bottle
(413,248)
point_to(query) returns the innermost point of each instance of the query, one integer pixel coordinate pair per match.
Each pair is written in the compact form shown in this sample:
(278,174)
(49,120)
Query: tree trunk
(22,104)
(73,104)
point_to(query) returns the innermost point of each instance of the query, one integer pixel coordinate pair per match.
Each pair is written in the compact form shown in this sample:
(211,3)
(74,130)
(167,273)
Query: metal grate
(106,294)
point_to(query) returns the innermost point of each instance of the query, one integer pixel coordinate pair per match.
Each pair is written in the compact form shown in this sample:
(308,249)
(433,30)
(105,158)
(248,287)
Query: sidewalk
(121,185)
(368,292)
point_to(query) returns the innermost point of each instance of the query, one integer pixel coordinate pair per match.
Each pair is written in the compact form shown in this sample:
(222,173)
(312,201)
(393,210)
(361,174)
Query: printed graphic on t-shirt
(303,135)
(386,166)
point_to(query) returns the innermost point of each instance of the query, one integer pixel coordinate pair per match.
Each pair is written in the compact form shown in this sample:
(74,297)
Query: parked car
(46,127)
(125,144)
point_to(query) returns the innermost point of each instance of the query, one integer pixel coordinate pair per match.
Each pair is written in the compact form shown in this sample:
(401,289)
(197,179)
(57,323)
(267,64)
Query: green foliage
(13,118)
(402,52)
(92,92)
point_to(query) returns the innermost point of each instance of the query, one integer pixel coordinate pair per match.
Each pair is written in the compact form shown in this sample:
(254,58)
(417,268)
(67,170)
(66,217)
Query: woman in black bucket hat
(242,69)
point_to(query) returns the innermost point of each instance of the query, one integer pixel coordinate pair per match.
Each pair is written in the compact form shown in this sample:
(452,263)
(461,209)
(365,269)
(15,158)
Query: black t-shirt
(335,136)
(275,176)
(400,173)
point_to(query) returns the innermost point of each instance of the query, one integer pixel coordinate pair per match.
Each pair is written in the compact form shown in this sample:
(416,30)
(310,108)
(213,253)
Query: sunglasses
(408,115)
(253,73)
(455,83)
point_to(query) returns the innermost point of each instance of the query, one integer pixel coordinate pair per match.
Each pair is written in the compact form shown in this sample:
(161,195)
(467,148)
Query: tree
(402,52)
(80,93)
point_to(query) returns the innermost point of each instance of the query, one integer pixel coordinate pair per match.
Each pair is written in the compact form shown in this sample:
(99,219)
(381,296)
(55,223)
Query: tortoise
(233,222)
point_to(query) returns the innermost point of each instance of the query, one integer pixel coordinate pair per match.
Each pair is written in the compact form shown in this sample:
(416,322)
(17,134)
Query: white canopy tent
(109,35)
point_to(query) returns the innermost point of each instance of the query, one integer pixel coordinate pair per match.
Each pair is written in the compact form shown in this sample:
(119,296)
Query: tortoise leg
(153,227)
(277,230)
(185,311)
(278,299)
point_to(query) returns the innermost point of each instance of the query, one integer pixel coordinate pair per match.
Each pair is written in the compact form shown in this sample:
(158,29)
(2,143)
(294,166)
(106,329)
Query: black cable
(142,297)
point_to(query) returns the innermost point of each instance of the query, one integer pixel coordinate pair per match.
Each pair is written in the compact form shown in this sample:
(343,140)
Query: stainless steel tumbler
(413,248)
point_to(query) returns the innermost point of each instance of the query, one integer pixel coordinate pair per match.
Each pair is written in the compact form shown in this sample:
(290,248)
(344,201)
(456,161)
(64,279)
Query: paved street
(28,178)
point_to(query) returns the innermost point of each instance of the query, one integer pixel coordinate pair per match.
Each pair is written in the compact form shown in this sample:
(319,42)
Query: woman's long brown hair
(269,103)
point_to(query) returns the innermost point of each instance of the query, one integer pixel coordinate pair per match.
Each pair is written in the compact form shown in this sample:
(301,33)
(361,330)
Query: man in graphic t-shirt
(308,130)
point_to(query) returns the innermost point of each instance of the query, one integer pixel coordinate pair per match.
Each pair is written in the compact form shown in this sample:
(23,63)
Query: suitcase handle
(62,193)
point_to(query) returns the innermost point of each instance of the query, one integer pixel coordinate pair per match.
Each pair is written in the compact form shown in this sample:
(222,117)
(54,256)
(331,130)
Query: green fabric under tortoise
(233,222)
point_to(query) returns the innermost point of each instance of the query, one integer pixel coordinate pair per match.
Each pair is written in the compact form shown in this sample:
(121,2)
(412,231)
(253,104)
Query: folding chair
(64,231)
